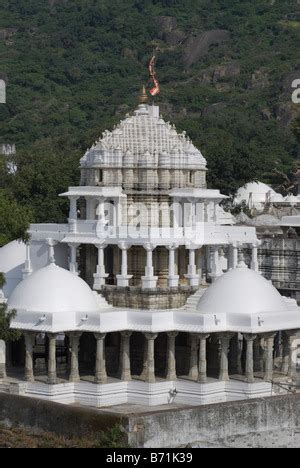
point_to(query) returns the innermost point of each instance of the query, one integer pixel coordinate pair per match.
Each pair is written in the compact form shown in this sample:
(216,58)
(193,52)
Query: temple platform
(135,393)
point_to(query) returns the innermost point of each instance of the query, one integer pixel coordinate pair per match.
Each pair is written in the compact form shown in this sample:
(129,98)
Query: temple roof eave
(159,322)
(202,234)
(87,191)
(198,194)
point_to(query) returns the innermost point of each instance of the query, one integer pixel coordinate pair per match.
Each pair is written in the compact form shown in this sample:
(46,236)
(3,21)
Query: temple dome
(265,219)
(53,289)
(241,291)
(144,135)
(292,199)
(12,259)
(254,194)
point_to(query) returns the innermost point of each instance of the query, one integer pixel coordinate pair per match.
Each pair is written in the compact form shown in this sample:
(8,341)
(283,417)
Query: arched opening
(160,351)
(112,346)
(109,255)
(182,354)
(137,350)
(87,354)
(213,356)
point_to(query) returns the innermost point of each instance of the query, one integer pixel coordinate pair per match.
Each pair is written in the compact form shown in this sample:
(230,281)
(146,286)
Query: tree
(6,333)
(14,219)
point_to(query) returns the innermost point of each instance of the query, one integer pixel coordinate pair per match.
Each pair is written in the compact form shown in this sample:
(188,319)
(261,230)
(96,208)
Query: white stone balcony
(93,232)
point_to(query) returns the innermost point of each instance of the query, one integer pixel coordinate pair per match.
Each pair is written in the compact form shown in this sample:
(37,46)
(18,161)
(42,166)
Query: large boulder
(260,79)
(286,113)
(227,71)
(175,37)
(198,46)
(165,24)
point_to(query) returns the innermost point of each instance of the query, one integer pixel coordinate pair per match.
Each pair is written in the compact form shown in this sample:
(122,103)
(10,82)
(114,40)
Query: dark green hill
(75,68)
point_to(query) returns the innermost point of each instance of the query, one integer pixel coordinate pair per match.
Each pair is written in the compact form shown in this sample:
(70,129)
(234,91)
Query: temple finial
(143,96)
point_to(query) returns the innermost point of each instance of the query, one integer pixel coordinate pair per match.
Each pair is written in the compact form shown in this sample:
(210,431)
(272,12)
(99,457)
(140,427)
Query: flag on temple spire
(156,89)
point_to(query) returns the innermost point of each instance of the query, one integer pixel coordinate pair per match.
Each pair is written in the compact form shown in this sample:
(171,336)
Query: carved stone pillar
(73,207)
(149,363)
(73,214)
(194,370)
(125,369)
(269,361)
(235,254)
(149,281)
(100,368)
(257,354)
(100,215)
(171,359)
(29,344)
(249,357)
(73,265)
(192,276)
(293,345)
(225,341)
(236,354)
(74,345)
(123,278)
(202,378)
(100,275)
(173,280)
(254,260)
(52,376)
(216,271)
(27,270)
(285,354)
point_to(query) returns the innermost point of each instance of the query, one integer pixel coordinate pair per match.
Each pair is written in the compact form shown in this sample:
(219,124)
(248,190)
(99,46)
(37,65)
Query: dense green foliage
(16,437)
(75,68)
(6,334)
(15,219)
(5,318)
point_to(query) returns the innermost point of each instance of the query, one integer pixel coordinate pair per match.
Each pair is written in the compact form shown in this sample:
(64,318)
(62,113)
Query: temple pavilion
(143,296)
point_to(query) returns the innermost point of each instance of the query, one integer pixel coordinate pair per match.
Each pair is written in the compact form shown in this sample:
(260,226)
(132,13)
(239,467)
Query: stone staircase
(193,300)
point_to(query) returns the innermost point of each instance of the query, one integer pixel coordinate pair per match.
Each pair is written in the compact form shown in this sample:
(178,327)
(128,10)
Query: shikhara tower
(145,207)
(123,288)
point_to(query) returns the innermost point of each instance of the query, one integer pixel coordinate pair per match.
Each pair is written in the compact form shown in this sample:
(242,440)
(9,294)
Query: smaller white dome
(12,255)
(12,259)
(53,289)
(242,218)
(254,194)
(276,198)
(292,199)
(265,220)
(241,291)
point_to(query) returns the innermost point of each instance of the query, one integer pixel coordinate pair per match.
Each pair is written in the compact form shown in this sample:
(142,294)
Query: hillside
(74,68)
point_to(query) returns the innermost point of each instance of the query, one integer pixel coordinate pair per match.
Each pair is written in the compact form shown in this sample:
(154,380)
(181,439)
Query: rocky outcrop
(165,24)
(174,38)
(227,71)
(221,76)
(7,33)
(266,114)
(259,80)
(198,46)
(168,31)
(287,81)
(286,113)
